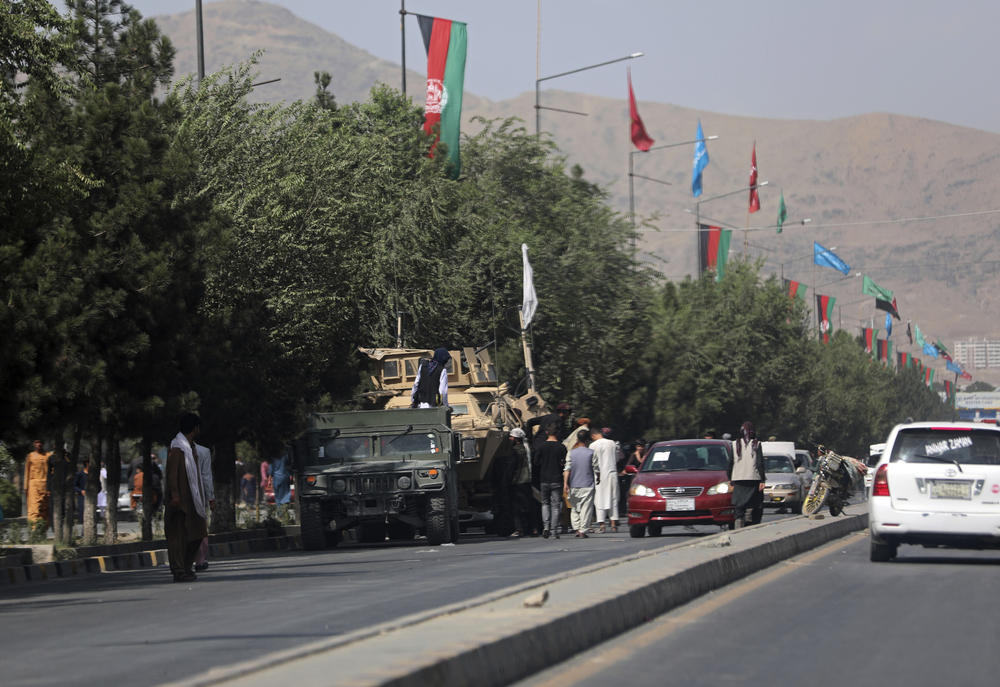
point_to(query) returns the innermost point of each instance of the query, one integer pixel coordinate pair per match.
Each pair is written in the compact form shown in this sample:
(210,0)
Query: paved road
(139,626)
(826,618)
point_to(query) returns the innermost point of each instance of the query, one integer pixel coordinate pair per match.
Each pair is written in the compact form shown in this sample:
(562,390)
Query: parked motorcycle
(833,482)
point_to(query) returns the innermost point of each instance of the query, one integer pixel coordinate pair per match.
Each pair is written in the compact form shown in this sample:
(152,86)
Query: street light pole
(200,39)
(632,174)
(538,83)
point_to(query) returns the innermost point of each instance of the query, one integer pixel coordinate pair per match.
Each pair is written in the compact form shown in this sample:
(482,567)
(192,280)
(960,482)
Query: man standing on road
(747,475)
(205,470)
(606,496)
(184,519)
(551,458)
(578,483)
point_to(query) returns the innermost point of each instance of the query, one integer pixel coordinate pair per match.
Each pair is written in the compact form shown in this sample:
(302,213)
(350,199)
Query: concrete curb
(472,643)
(135,560)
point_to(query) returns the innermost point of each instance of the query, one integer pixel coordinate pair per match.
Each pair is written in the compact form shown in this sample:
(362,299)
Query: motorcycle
(832,482)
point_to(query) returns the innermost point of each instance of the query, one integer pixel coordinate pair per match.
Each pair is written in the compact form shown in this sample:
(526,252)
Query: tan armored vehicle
(483,411)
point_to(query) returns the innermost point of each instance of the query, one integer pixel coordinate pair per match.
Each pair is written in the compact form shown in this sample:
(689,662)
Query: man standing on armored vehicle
(430,388)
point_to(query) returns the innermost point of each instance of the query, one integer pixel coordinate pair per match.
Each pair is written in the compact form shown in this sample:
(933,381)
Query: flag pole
(402,34)
(526,347)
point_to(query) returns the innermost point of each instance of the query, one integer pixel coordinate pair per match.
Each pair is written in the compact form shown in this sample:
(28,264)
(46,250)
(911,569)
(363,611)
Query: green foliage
(10,499)
(979,385)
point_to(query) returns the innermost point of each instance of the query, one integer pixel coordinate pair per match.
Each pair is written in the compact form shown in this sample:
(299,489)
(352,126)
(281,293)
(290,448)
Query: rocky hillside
(854,177)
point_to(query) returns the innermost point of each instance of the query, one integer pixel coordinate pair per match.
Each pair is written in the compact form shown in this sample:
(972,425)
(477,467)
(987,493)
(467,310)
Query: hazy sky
(770,58)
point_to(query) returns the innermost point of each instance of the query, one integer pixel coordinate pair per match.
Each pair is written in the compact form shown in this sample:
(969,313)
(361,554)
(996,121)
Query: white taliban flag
(530,302)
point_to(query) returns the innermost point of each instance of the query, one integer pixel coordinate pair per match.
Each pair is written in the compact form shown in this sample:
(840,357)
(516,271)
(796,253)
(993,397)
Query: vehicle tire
(371,532)
(637,531)
(455,529)
(815,498)
(655,530)
(438,522)
(880,553)
(311,528)
(400,531)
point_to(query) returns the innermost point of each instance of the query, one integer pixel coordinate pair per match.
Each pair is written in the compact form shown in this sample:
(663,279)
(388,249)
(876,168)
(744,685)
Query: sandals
(602,529)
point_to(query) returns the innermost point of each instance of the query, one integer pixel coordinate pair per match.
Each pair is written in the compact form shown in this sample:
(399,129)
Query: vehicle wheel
(731,525)
(438,523)
(400,531)
(815,498)
(655,530)
(454,530)
(637,531)
(880,553)
(311,528)
(371,533)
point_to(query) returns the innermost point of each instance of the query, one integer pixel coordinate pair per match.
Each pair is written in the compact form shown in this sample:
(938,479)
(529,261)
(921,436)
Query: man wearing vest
(430,388)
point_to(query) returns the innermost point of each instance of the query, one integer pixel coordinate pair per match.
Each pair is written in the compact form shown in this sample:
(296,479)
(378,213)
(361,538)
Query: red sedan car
(681,482)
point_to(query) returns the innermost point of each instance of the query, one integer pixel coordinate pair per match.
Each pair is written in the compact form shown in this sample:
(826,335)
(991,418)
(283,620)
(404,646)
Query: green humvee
(386,472)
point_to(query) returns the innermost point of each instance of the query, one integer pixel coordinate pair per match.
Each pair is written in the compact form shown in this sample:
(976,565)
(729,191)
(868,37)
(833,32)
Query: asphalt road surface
(827,618)
(140,627)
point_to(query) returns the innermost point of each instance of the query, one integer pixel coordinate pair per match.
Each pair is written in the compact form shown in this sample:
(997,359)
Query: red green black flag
(713,249)
(445,41)
(824,314)
(795,289)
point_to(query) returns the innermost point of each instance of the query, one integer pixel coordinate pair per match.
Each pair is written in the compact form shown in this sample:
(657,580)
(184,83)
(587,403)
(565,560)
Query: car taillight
(880,485)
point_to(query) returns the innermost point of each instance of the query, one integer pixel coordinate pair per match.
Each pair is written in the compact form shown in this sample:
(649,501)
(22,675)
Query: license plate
(680,504)
(777,498)
(951,490)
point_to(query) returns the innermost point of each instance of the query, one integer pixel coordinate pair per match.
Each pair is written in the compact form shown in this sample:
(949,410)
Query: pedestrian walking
(281,480)
(36,483)
(208,484)
(525,512)
(606,494)
(551,458)
(746,471)
(579,479)
(184,519)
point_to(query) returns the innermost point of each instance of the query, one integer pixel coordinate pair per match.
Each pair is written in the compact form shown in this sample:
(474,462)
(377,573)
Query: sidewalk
(474,642)
(134,555)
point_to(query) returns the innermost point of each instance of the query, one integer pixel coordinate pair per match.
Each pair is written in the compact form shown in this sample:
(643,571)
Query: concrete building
(977,353)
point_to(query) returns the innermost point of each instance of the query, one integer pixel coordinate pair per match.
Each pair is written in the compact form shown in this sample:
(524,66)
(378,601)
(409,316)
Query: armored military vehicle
(386,472)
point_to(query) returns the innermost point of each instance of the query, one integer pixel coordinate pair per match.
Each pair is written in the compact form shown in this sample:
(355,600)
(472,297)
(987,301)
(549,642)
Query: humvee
(387,472)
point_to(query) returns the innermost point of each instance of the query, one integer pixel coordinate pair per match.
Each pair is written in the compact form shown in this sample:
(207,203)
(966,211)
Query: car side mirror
(631,469)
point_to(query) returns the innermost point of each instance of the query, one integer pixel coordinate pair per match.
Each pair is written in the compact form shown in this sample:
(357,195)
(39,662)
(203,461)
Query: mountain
(855,177)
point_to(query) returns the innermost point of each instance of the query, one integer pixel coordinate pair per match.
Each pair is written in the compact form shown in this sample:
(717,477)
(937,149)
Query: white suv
(936,484)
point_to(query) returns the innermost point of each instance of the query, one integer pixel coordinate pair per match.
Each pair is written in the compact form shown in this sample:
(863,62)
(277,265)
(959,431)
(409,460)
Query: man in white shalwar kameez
(606,494)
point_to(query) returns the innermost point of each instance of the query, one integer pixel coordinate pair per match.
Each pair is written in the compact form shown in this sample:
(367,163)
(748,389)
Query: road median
(495,639)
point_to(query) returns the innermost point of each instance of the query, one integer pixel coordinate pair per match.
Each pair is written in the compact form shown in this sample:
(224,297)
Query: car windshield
(414,442)
(778,464)
(949,445)
(340,449)
(686,457)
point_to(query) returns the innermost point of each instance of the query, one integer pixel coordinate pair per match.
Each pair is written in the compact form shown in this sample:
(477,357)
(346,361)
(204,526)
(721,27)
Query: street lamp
(538,83)
(632,174)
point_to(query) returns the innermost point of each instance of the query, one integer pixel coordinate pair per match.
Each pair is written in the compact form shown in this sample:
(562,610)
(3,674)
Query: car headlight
(404,482)
(641,490)
(788,487)
(720,488)
(339,486)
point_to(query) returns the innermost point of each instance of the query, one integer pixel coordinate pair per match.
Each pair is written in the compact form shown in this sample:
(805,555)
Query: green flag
(918,336)
(872,289)
(782,211)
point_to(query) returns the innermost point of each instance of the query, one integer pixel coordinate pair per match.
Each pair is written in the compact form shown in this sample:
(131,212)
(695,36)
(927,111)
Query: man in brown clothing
(184,493)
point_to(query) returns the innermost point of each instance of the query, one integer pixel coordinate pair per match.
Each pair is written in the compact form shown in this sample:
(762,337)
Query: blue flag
(953,367)
(930,350)
(824,257)
(700,161)
(888,324)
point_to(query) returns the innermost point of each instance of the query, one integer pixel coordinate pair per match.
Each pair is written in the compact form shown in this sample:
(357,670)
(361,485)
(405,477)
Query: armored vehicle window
(390,368)
(399,444)
(411,367)
(344,448)
(459,409)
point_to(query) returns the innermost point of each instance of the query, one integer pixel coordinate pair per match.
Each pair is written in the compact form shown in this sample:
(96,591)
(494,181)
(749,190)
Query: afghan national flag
(879,349)
(640,138)
(902,361)
(824,314)
(782,212)
(869,333)
(795,289)
(445,42)
(713,249)
(888,351)
(928,376)
(947,388)
(888,306)
(754,198)
(942,350)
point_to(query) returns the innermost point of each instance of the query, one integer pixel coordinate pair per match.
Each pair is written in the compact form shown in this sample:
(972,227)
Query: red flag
(754,198)
(640,138)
